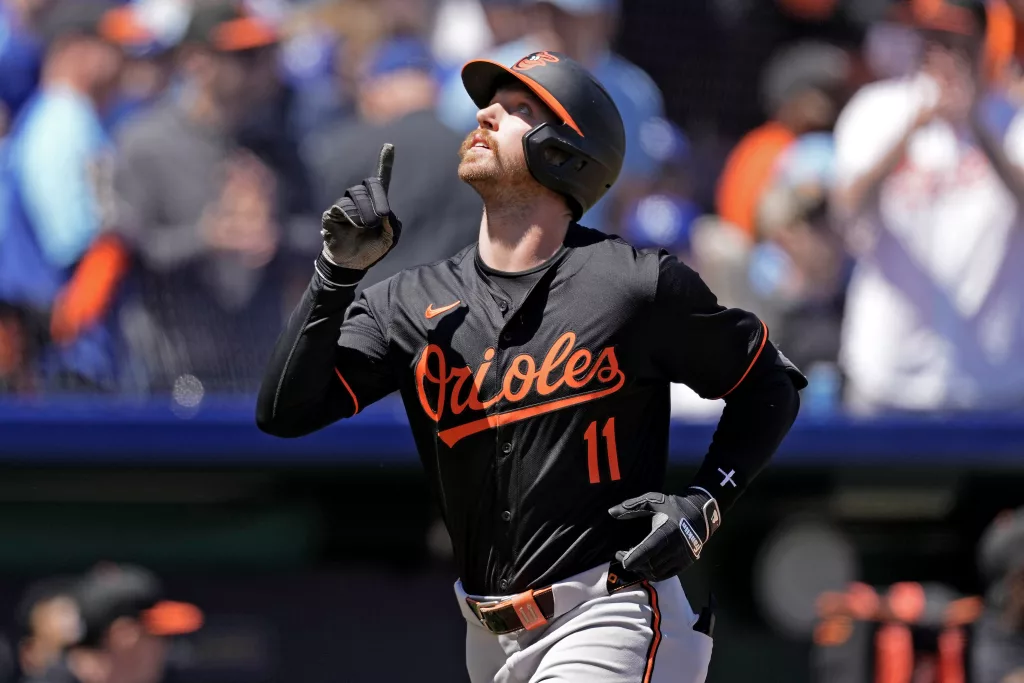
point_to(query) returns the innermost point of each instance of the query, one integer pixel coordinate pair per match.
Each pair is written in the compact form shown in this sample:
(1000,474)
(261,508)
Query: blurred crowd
(110,624)
(116,623)
(164,164)
(911,632)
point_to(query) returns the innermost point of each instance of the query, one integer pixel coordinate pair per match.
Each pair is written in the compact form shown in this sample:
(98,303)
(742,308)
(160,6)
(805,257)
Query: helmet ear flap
(557,163)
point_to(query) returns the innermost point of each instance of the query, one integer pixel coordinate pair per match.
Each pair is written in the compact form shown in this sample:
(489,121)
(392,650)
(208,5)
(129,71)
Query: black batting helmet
(590,136)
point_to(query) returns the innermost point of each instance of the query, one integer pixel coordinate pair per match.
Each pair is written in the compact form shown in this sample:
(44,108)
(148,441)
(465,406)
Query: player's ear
(555,156)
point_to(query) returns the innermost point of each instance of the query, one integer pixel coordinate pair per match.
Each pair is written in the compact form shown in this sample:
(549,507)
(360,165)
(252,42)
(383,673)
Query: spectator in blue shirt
(20,57)
(55,185)
(664,215)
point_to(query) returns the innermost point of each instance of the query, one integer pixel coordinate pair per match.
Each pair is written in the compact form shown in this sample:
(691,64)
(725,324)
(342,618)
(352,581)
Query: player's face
(493,153)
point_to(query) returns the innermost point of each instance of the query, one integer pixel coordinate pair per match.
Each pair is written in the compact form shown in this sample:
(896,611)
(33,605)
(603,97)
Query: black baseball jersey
(531,420)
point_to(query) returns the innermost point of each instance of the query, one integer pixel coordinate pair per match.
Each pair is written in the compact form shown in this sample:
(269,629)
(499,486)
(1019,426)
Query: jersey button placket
(504,449)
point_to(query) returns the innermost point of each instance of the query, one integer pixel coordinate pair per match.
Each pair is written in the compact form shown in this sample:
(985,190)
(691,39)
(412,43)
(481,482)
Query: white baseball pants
(639,634)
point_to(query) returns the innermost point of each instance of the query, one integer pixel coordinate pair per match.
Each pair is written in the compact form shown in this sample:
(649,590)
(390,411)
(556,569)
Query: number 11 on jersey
(613,456)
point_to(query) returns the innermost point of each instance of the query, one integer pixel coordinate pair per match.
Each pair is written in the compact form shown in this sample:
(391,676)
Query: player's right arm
(331,360)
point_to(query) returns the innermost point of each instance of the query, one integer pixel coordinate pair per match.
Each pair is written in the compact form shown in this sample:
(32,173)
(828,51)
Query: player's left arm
(723,353)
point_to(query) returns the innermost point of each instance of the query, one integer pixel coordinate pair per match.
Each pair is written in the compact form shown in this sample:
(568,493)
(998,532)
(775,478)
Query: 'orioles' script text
(459,388)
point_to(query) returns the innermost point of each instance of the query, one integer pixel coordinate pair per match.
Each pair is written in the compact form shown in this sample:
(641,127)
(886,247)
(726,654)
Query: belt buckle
(476,605)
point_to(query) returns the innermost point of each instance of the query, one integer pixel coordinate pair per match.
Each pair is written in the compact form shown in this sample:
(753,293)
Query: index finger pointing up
(387,160)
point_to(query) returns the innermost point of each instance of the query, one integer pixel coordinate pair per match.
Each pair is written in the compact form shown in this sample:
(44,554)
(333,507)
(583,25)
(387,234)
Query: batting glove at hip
(360,228)
(680,527)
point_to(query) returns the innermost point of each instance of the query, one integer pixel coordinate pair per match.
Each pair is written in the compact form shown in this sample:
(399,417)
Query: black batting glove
(680,526)
(360,229)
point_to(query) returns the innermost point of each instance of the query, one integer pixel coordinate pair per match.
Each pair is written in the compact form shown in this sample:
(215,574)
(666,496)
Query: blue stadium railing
(100,432)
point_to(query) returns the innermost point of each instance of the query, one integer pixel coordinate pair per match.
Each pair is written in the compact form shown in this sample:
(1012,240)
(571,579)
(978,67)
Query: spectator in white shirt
(929,198)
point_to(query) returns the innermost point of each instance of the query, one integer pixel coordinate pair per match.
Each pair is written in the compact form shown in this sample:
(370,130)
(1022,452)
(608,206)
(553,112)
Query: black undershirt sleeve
(331,359)
(757,416)
(726,353)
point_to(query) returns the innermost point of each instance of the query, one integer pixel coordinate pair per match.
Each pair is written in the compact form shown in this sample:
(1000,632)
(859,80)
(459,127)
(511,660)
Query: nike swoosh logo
(434,312)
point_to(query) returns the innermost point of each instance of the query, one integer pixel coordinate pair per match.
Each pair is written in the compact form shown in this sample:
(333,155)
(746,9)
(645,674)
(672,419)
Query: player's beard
(497,178)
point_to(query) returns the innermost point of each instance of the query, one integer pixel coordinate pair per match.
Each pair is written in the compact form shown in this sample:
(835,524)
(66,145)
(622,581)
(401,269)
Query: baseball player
(535,368)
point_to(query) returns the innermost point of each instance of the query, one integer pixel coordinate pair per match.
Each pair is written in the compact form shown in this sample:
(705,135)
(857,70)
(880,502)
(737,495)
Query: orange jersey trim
(351,393)
(652,594)
(764,340)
